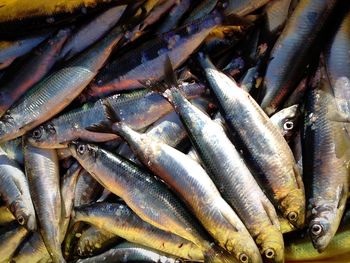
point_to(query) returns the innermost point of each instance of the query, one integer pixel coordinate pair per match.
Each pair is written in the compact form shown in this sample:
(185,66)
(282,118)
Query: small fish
(10,238)
(42,170)
(120,220)
(325,161)
(263,146)
(129,252)
(32,70)
(286,121)
(14,191)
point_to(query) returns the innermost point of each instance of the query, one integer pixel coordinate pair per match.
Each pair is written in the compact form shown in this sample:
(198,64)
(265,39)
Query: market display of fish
(174,131)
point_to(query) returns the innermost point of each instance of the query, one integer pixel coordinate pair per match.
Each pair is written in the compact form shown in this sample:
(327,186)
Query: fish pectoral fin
(342,196)
(337,116)
(298,177)
(271,213)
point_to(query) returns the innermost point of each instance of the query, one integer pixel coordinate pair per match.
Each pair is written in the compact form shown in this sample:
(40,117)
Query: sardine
(32,70)
(50,95)
(265,150)
(184,176)
(174,16)
(10,238)
(325,161)
(120,220)
(129,252)
(243,7)
(14,190)
(286,121)
(42,171)
(294,45)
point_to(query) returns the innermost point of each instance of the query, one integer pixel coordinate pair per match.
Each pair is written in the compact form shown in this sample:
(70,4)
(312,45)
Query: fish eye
(21,220)
(37,133)
(292,216)
(316,229)
(269,253)
(81,149)
(288,125)
(243,258)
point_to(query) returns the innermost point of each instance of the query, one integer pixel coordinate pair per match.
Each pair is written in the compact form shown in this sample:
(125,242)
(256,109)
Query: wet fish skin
(49,96)
(69,181)
(6,216)
(10,239)
(230,174)
(138,108)
(32,70)
(200,10)
(32,250)
(178,171)
(92,31)
(123,178)
(293,45)
(325,161)
(248,123)
(146,62)
(126,252)
(14,190)
(286,120)
(93,240)
(276,15)
(13,149)
(10,50)
(131,227)
(243,7)
(42,170)
(174,15)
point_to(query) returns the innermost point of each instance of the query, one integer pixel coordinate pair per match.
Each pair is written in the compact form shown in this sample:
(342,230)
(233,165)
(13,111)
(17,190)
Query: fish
(42,171)
(13,149)
(200,10)
(338,65)
(299,248)
(174,15)
(49,96)
(138,108)
(286,121)
(243,7)
(15,192)
(94,240)
(92,31)
(32,249)
(276,16)
(131,227)
(68,184)
(123,178)
(325,161)
(293,44)
(129,252)
(10,238)
(6,216)
(184,176)
(29,72)
(228,171)
(266,152)
(146,61)
(10,50)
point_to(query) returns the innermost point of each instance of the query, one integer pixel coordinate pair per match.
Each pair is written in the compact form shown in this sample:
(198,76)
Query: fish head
(244,250)
(270,241)
(7,128)
(83,152)
(44,136)
(321,233)
(24,213)
(293,207)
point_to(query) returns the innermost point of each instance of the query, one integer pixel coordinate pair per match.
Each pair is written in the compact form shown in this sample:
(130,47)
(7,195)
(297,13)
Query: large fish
(264,147)
(138,109)
(120,220)
(14,191)
(57,90)
(129,252)
(184,176)
(32,70)
(42,170)
(227,169)
(325,161)
(294,45)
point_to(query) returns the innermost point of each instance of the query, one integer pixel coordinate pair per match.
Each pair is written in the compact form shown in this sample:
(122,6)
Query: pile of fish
(174,130)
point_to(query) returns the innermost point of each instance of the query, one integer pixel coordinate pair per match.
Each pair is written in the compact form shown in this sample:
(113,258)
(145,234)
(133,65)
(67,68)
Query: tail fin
(103,126)
(217,254)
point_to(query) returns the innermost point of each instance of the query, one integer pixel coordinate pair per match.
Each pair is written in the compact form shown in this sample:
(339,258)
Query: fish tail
(216,254)
(105,126)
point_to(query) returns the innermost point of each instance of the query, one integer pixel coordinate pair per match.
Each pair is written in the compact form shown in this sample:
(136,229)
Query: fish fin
(169,73)
(298,177)
(271,213)
(216,253)
(110,113)
(102,127)
(342,197)
(156,86)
